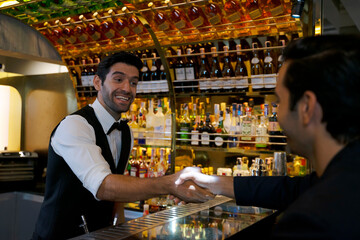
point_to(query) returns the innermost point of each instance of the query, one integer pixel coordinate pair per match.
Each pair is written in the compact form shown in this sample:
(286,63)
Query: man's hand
(215,184)
(187,190)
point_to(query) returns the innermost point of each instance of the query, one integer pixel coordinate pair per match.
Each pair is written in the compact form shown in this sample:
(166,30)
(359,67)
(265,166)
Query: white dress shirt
(75,141)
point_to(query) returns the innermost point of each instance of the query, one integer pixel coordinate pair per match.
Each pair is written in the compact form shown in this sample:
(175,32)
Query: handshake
(190,185)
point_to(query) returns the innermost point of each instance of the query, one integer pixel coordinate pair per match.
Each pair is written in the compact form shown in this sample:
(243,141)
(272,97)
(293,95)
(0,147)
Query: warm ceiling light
(297,8)
(8,3)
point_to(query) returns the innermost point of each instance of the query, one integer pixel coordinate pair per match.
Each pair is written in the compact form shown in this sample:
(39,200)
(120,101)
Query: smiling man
(319,105)
(88,153)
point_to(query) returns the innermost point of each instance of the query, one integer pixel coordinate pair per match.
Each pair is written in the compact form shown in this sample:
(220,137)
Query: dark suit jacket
(313,208)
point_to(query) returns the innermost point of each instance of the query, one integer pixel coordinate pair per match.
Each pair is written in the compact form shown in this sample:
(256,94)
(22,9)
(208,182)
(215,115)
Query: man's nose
(125,85)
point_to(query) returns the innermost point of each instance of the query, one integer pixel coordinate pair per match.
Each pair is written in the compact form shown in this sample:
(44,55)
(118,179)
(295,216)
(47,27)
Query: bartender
(88,153)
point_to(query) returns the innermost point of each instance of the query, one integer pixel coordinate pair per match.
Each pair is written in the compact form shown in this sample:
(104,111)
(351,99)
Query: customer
(319,105)
(87,159)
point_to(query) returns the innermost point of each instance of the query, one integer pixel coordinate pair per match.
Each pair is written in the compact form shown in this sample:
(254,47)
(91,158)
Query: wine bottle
(257,80)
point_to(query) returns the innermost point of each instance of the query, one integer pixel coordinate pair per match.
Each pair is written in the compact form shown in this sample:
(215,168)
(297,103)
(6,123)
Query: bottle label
(180,74)
(268,59)
(72,39)
(137,29)
(242,82)
(203,84)
(190,73)
(205,137)
(184,129)
(219,141)
(195,138)
(110,34)
(124,32)
(96,36)
(270,80)
(180,24)
(83,37)
(215,19)
(257,81)
(246,130)
(142,172)
(168,127)
(277,10)
(61,40)
(133,171)
(274,127)
(234,17)
(255,14)
(164,26)
(198,22)
(255,60)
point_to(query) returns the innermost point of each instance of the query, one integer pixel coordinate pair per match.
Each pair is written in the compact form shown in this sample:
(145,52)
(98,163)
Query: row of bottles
(148,162)
(225,71)
(238,67)
(235,126)
(242,125)
(112,27)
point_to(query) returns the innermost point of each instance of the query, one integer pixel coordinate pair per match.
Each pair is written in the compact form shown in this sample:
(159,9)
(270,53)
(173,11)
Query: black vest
(65,197)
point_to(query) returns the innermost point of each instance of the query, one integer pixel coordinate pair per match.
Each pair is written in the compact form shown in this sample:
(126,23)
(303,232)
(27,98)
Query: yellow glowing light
(8,3)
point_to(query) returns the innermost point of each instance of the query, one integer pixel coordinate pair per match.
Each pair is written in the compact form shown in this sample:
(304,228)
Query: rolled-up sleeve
(75,141)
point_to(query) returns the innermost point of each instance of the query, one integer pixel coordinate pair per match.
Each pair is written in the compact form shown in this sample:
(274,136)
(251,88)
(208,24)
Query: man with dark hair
(88,153)
(319,104)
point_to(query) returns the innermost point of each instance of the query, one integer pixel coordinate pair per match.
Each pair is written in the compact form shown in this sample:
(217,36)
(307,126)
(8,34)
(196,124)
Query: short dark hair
(119,57)
(329,66)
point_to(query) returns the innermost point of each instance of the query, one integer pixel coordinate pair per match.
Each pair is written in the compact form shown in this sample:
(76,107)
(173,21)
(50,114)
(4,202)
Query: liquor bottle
(179,71)
(74,74)
(220,137)
(152,167)
(142,165)
(269,67)
(275,7)
(241,73)
(168,123)
(154,73)
(162,165)
(159,125)
(185,126)
(206,138)
(216,18)
(178,17)
(55,34)
(141,117)
(92,29)
(150,118)
(145,75)
(204,72)
(227,70)
(85,78)
(190,72)
(67,33)
(106,27)
(257,80)
(233,127)
(162,23)
(275,130)
(133,123)
(215,73)
(253,8)
(135,25)
(235,15)
(121,25)
(134,171)
(79,30)
(261,132)
(199,20)
(246,131)
(280,59)
(215,123)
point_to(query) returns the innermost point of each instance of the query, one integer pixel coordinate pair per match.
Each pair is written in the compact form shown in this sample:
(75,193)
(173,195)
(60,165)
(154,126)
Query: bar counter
(219,218)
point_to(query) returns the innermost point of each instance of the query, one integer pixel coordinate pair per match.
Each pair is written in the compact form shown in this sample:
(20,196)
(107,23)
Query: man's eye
(134,83)
(118,79)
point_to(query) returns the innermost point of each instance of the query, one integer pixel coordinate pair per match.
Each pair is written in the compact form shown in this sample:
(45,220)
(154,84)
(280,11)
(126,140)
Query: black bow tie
(118,125)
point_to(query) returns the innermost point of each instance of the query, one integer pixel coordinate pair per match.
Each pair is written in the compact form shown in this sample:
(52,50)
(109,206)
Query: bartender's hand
(188,191)
(216,184)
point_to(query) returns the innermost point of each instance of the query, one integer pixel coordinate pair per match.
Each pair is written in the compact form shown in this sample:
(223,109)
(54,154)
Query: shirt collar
(104,117)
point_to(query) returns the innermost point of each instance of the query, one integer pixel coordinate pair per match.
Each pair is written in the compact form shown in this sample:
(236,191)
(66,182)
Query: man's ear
(97,82)
(307,107)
